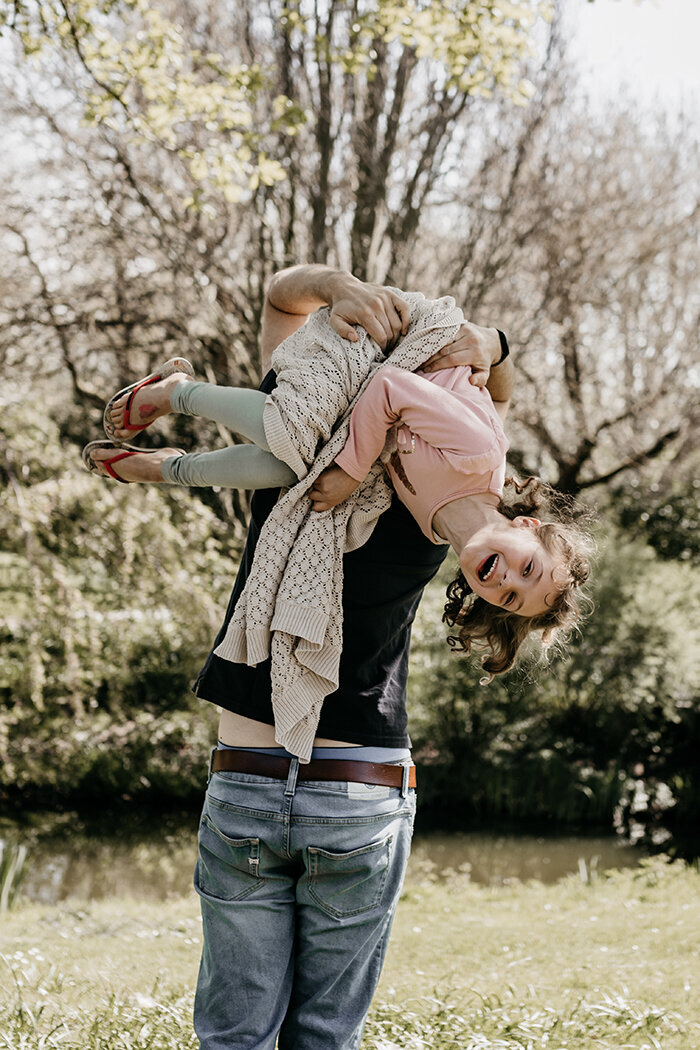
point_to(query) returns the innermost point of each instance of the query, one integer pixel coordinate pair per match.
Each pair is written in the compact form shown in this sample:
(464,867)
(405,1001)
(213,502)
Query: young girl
(448,466)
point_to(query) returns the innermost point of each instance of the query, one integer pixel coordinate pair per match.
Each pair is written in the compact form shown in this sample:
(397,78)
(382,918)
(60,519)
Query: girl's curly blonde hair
(483,625)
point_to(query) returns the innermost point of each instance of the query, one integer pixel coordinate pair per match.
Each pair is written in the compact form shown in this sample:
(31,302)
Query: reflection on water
(491,859)
(155,860)
(118,857)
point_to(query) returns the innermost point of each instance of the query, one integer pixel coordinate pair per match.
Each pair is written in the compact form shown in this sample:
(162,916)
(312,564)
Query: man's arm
(296,292)
(500,385)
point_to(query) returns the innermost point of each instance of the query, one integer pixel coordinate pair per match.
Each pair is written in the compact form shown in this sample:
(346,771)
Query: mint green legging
(236,467)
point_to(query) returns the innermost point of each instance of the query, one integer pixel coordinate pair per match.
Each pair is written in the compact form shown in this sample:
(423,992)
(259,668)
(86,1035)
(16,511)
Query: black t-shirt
(383,584)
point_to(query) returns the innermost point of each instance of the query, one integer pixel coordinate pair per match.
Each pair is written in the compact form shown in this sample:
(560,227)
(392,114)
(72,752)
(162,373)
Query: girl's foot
(127,464)
(138,405)
(138,410)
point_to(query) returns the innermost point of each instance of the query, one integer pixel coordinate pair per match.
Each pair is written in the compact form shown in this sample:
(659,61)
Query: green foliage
(480,47)
(109,600)
(103,761)
(670,523)
(145,79)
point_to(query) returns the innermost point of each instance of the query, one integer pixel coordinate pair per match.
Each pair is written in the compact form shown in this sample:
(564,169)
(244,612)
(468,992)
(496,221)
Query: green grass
(612,964)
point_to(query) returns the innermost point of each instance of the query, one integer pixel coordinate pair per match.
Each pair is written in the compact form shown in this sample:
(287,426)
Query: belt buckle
(405,777)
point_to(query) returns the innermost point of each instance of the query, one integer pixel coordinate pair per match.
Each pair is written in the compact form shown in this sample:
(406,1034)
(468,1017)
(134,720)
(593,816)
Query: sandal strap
(128,425)
(107,464)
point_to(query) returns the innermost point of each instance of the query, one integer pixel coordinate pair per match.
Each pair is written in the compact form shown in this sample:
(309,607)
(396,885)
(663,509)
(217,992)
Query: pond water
(70,858)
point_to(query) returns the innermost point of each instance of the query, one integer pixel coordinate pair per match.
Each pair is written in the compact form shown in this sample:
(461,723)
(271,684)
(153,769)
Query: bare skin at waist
(238,731)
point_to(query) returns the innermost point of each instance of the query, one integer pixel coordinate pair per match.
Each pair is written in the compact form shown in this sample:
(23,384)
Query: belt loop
(404,780)
(211,763)
(290,786)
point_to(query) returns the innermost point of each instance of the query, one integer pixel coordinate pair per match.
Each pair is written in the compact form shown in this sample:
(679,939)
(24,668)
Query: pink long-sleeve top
(450,439)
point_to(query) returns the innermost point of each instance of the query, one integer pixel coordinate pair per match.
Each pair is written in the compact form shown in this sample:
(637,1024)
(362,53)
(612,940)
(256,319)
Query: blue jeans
(298,886)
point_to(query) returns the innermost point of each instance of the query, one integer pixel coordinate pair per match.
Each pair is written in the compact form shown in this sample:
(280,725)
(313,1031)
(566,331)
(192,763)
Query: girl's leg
(242,466)
(238,409)
(237,467)
(241,410)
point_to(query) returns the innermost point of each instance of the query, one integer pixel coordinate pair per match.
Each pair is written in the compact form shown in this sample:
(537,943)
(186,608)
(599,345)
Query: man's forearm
(501,381)
(302,289)
(292,295)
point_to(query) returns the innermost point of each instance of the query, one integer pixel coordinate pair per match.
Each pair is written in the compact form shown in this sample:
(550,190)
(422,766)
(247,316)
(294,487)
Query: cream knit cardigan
(291,606)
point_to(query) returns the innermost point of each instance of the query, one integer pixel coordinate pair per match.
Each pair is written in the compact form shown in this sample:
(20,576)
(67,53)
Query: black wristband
(505,349)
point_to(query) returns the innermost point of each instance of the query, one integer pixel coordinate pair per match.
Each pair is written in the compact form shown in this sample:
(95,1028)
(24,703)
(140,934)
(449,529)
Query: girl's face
(507,565)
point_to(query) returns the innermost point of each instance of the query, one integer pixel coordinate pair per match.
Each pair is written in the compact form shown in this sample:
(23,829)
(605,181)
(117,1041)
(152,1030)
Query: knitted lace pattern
(291,606)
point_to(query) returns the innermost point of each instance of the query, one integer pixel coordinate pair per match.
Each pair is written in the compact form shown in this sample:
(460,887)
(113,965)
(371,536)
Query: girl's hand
(474,346)
(331,488)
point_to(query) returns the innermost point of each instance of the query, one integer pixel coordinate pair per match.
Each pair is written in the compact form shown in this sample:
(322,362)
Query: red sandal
(175,364)
(122,452)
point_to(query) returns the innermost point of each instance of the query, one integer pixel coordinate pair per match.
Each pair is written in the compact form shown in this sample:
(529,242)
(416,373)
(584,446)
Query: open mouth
(487,568)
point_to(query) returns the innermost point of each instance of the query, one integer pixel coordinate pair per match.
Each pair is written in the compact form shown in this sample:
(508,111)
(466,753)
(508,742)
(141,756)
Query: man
(300,867)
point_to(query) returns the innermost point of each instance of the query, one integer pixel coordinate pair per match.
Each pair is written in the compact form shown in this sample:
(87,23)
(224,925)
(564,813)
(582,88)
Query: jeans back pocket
(227,868)
(345,884)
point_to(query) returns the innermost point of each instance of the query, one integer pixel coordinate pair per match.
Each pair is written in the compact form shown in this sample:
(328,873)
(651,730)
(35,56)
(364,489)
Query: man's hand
(331,488)
(382,313)
(296,292)
(475,346)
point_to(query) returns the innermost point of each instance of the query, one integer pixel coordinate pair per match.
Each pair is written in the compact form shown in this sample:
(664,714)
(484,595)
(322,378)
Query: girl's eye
(528,569)
(509,600)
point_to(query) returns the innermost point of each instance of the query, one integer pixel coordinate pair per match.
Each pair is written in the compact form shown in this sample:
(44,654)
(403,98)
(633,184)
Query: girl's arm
(371,419)
(393,396)
(435,414)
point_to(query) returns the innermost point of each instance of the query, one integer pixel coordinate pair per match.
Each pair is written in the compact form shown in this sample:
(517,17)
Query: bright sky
(652,45)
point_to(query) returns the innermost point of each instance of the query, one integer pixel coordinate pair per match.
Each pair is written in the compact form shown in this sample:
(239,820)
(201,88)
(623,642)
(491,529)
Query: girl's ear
(522,522)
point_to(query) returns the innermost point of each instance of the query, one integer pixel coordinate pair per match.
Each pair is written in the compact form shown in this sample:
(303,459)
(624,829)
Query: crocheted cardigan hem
(278,439)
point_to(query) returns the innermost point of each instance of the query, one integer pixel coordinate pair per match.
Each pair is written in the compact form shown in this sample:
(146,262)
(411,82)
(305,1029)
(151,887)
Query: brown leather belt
(317,769)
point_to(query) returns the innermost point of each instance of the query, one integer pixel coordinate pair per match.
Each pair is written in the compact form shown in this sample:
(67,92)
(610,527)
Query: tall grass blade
(13,858)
